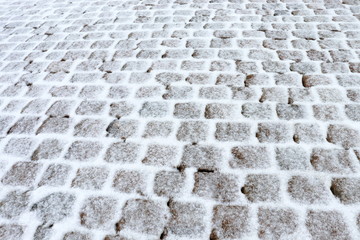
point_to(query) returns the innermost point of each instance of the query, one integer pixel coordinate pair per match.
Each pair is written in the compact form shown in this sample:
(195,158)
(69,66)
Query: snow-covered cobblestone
(179,119)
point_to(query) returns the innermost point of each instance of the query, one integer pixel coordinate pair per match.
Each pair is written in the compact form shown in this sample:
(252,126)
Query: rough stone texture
(97,212)
(201,156)
(187,219)
(13,204)
(221,187)
(233,131)
(154,109)
(55,175)
(193,131)
(48,149)
(150,114)
(352,111)
(21,174)
(308,133)
(161,155)
(129,181)
(343,135)
(315,80)
(230,221)
(120,109)
(169,183)
(90,108)
(55,125)
(11,231)
(310,190)
(276,223)
(43,232)
(273,132)
(332,160)
(24,125)
(273,95)
(158,129)
(122,128)
(257,110)
(90,178)
(144,216)
(346,189)
(326,112)
(77,236)
(83,151)
(54,207)
(89,128)
(122,152)
(261,188)
(327,225)
(19,147)
(290,111)
(221,111)
(292,158)
(250,157)
(187,110)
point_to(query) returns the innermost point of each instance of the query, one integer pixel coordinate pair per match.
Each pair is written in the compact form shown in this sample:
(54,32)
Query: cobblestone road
(179,119)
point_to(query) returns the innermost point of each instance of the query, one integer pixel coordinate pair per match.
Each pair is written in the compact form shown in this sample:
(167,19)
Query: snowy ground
(179,119)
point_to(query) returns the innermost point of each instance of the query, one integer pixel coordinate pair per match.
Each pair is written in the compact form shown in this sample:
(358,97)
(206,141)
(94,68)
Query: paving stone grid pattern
(179,119)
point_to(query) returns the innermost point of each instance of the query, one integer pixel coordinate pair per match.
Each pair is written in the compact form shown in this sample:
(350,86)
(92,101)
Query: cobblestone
(192,131)
(90,178)
(223,188)
(261,188)
(97,212)
(54,207)
(250,157)
(129,181)
(122,152)
(187,219)
(201,157)
(232,132)
(122,128)
(343,135)
(346,189)
(48,149)
(179,119)
(11,231)
(55,125)
(55,175)
(144,216)
(273,132)
(332,160)
(83,151)
(308,190)
(187,110)
(331,225)
(230,221)
(160,155)
(292,158)
(308,133)
(276,223)
(13,204)
(21,174)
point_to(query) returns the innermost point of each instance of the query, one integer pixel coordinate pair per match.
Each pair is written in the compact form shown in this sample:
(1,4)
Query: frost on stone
(54,207)
(122,152)
(98,212)
(187,219)
(230,221)
(277,223)
(13,204)
(11,231)
(144,216)
(327,225)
